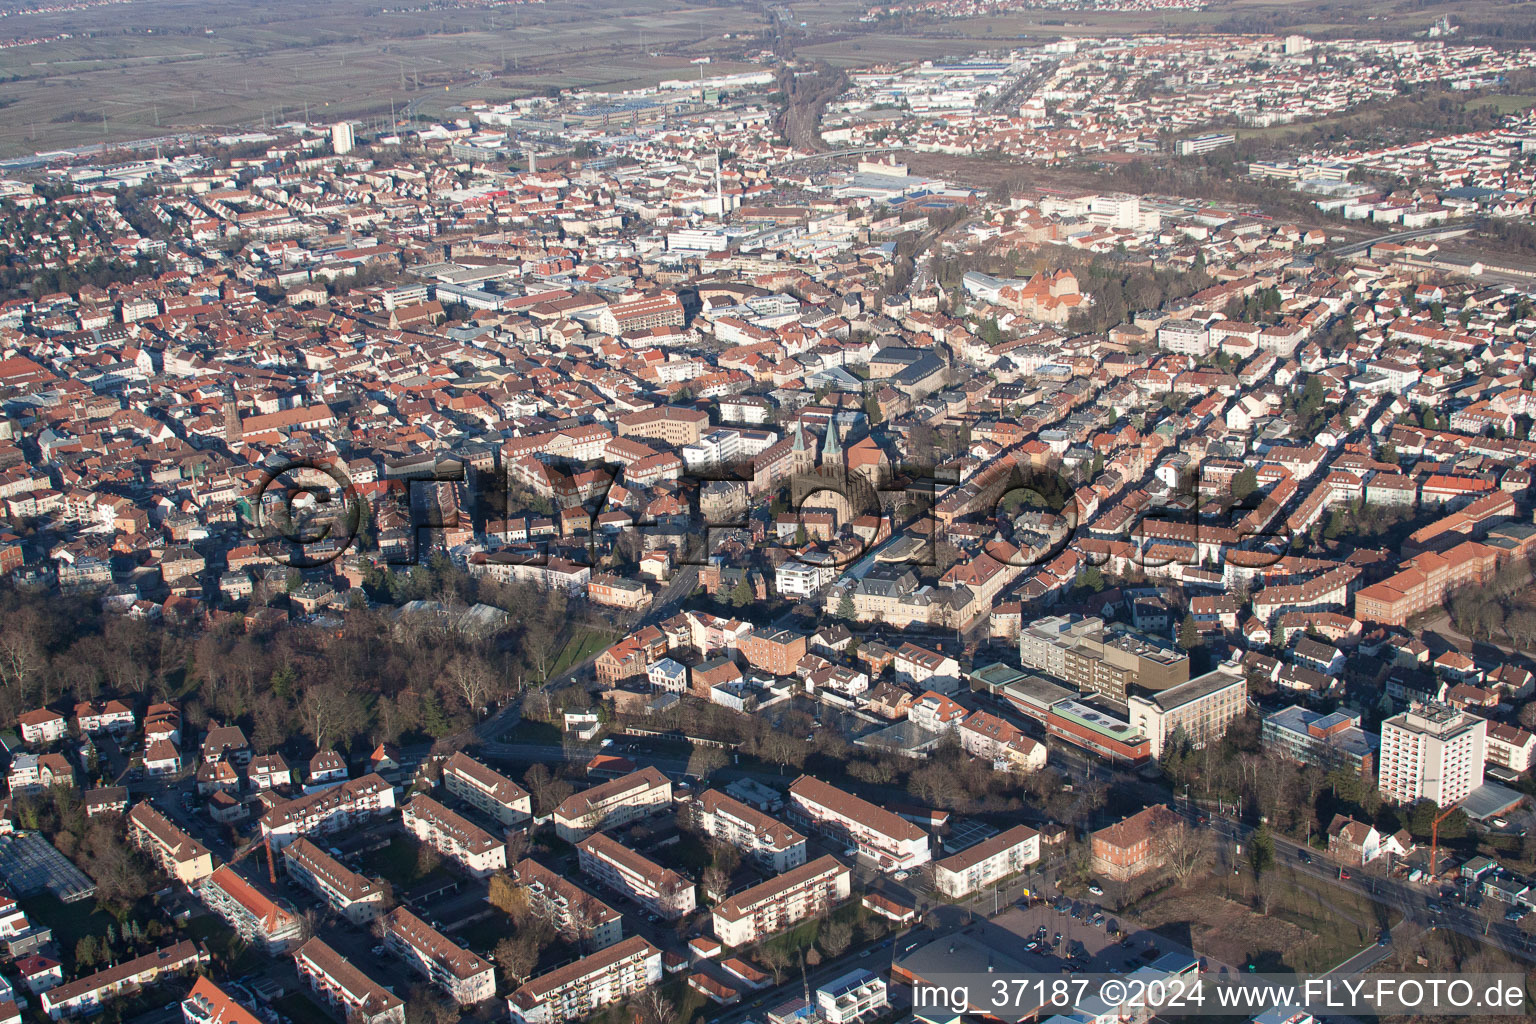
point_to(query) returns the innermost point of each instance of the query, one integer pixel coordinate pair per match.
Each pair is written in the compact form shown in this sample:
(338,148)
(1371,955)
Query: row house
(86,996)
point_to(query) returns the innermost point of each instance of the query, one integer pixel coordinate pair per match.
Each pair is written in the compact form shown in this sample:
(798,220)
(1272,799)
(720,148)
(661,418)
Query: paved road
(1411,899)
(1443,230)
(508,715)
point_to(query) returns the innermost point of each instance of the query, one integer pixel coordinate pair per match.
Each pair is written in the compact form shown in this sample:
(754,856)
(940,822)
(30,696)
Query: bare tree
(472,680)
(1183,849)
(518,956)
(777,961)
(834,938)
(330,712)
(1267,889)
(547,791)
(656,1008)
(705,761)
(21,649)
(714,881)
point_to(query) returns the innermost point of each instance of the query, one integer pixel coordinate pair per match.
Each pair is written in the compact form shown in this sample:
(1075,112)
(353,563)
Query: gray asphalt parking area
(1104,953)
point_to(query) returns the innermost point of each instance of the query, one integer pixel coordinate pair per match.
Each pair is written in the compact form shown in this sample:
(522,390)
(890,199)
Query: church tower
(832,449)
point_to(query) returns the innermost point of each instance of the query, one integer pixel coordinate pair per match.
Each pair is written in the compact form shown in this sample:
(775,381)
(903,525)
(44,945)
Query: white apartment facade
(889,840)
(987,862)
(355,995)
(178,854)
(358,898)
(587,985)
(855,995)
(1510,747)
(454,836)
(1432,752)
(758,836)
(465,977)
(779,903)
(574,912)
(329,810)
(255,916)
(487,790)
(611,804)
(660,890)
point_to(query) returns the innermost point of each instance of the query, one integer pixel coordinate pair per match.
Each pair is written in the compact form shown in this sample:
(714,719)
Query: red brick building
(1128,848)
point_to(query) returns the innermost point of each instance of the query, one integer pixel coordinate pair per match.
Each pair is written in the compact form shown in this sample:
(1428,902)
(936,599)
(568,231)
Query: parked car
(1096,890)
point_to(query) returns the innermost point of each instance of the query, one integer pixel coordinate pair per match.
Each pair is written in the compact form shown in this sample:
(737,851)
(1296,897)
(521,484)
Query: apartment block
(1200,709)
(207,1003)
(328,810)
(178,854)
(587,985)
(987,862)
(355,996)
(357,898)
(759,836)
(851,997)
(660,890)
(1432,752)
(465,977)
(778,903)
(1510,747)
(889,840)
(42,726)
(575,913)
(1100,660)
(454,836)
(1328,741)
(86,996)
(487,790)
(256,917)
(614,803)
(777,652)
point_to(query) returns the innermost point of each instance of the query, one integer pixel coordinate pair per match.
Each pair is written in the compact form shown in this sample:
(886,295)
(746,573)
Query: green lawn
(303,1009)
(1511,104)
(583,644)
(70,922)
(397,862)
(538,733)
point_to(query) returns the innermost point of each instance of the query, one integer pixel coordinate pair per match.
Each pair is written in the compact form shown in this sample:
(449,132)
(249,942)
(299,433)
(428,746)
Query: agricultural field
(148,68)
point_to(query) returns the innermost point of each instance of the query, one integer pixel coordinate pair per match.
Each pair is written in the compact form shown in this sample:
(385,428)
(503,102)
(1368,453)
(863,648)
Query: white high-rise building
(342,139)
(1433,752)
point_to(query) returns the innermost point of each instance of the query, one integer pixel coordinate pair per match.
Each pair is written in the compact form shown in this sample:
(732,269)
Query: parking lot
(1094,947)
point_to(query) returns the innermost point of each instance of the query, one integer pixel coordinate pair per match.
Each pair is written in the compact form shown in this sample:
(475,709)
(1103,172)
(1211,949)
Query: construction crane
(266,842)
(1434,841)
